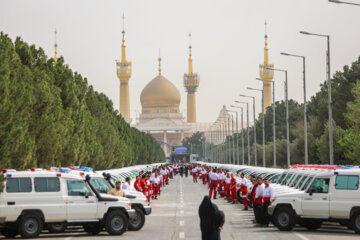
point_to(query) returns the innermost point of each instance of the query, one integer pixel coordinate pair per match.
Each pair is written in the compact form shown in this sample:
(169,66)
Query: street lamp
(274,127)
(255,151)
(305,117)
(237,138)
(247,129)
(242,134)
(287,113)
(263,121)
(341,2)
(331,151)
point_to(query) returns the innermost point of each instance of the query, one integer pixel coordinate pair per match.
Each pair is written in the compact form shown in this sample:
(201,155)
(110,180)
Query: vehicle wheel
(116,223)
(138,221)
(8,232)
(310,224)
(284,219)
(93,228)
(355,221)
(30,226)
(57,227)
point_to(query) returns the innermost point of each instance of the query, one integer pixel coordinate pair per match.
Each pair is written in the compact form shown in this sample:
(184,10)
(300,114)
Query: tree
(194,143)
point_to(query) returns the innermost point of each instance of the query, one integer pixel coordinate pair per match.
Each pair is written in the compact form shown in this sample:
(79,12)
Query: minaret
(124,73)
(191,83)
(266,74)
(55,46)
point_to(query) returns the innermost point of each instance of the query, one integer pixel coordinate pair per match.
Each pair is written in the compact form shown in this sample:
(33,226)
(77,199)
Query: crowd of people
(253,191)
(150,183)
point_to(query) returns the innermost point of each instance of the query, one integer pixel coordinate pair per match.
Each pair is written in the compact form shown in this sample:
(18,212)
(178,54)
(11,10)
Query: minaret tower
(266,74)
(191,83)
(55,46)
(123,68)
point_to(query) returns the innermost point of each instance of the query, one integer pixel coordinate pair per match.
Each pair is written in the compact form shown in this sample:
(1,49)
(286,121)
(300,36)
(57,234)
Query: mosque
(160,100)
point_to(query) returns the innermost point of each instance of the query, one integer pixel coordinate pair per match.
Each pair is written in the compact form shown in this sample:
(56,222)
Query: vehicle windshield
(295,181)
(281,178)
(287,179)
(301,182)
(306,184)
(275,178)
(100,185)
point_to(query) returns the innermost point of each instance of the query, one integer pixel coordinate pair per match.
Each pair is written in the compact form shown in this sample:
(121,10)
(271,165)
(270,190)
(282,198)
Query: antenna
(55,37)
(265,28)
(123,18)
(190,40)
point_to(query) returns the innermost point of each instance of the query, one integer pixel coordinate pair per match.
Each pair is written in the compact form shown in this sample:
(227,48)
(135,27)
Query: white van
(33,200)
(330,196)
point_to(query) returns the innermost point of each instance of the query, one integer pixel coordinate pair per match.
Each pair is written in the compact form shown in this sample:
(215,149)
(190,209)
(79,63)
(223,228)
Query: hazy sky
(228,42)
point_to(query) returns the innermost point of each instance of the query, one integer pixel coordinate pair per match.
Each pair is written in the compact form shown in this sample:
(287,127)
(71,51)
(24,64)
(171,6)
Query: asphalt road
(175,217)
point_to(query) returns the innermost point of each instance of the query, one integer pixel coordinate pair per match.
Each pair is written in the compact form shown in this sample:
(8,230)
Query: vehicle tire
(93,228)
(116,223)
(284,219)
(57,227)
(138,221)
(355,222)
(30,226)
(8,232)
(310,224)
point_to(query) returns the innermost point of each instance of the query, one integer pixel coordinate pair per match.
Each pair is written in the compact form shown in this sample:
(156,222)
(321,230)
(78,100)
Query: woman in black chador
(211,220)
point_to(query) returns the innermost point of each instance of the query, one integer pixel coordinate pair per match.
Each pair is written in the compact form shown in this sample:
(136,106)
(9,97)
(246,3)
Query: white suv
(330,196)
(33,200)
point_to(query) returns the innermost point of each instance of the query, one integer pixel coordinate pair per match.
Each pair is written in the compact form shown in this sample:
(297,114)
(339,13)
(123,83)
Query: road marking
(302,237)
(181,212)
(182,223)
(68,238)
(181,235)
(181,206)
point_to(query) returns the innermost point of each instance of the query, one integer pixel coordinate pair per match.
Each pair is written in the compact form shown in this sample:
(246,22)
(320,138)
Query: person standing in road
(213,176)
(268,198)
(258,202)
(194,173)
(227,187)
(244,191)
(117,191)
(233,189)
(211,220)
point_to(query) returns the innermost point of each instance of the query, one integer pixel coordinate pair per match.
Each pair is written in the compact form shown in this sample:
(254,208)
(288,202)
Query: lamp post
(255,151)
(247,129)
(287,113)
(274,127)
(242,135)
(305,117)
(237,138)
(331,151)
(263,122)
(341,2)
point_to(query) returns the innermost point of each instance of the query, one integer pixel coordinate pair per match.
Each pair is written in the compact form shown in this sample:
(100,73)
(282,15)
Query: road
(175,217)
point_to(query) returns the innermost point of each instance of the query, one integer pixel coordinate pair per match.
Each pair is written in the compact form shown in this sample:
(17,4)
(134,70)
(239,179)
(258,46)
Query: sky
(227,42)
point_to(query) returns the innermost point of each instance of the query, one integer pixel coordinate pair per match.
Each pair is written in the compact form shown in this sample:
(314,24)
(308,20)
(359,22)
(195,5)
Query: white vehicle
(34,200)
(327,196)
(138,201)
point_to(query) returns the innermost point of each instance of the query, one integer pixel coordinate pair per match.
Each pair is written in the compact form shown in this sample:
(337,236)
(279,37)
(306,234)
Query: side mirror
(87,177)
(310,192)
(87,195)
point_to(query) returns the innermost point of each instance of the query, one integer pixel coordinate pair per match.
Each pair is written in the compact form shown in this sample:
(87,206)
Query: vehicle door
(82,204)
(315,202)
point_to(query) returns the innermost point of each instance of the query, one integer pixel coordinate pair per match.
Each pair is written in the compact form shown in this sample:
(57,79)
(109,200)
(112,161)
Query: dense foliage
(195,143)
(50,116)
(346,126)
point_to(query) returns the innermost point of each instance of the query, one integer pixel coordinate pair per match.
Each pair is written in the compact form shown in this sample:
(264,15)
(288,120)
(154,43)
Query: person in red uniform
(244,191)
(213,176)
(233,189)
(137,184)
(194,174)
(227,187)
(143,185)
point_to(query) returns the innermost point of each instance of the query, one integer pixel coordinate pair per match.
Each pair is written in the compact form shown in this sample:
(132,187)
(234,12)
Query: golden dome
(160,96)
